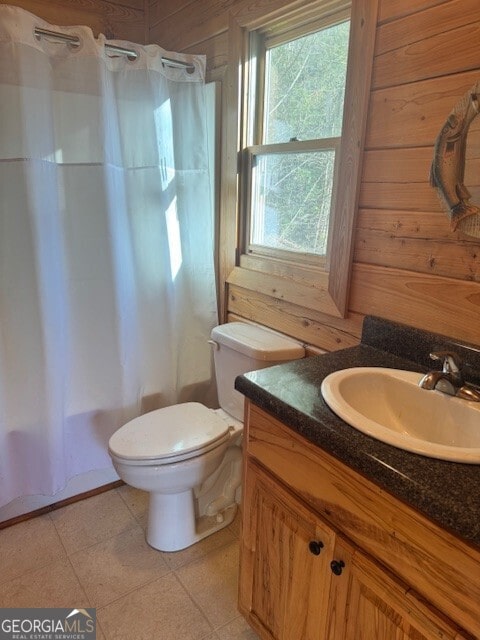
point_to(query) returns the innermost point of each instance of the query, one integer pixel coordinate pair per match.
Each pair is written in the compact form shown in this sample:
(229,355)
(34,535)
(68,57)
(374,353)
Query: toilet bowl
(169,453)
(189,457)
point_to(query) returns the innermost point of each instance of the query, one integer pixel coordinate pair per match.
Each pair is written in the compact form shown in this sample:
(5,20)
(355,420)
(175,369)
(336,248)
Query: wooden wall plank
(442,305)
(397,165)
(412,115)
(425,24)
(305,274)
(189,27)
(309,294)
(394,9)
(400,179)
(382,240)
(313,328)
(114,20)
(446,53)
(215,49)
(161,9)
(135,4)
(421,224)
(396,195)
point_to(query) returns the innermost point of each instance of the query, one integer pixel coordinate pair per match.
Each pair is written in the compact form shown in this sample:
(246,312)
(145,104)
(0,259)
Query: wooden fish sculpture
(448,166)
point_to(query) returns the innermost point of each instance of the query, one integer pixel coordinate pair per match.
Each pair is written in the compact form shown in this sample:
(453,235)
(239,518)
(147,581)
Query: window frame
(251,153)
(320,288)
(259,42)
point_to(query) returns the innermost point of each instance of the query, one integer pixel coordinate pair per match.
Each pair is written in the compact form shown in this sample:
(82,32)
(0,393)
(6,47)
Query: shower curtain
(107,292)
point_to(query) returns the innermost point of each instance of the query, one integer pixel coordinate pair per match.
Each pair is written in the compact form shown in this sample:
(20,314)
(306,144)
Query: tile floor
(93,554)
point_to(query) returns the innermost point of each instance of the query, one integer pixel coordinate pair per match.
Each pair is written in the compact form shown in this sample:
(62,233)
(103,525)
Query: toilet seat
(170,435)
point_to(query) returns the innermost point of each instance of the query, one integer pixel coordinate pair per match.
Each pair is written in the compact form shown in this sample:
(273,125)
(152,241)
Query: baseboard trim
(61,503)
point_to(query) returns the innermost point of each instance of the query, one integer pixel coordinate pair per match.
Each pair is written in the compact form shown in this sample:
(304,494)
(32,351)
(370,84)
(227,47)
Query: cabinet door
(285,563)
(380,606)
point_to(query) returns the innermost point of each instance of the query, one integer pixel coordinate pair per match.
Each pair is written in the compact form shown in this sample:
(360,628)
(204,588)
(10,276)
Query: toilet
(189,457)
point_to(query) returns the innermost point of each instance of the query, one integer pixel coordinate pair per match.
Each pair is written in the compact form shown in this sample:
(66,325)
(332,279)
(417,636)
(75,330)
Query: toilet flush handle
(214,344)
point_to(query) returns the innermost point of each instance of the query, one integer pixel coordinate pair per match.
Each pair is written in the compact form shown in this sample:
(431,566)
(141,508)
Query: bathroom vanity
(343,536)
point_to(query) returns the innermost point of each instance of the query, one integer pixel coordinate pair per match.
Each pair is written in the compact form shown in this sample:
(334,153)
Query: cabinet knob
(315,547)
(337,567)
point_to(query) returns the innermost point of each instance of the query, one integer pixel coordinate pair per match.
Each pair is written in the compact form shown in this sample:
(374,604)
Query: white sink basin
(388,405)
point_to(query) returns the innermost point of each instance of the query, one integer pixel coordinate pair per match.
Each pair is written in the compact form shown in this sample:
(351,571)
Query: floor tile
(28,545)
(161,609)
(197,551)
(87,522)
(138,592)
(237,629)
(136,501)
(212,583)
(117,566)
(54,585)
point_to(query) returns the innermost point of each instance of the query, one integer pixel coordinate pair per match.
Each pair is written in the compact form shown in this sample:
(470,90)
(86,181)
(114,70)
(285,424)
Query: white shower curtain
(107,292)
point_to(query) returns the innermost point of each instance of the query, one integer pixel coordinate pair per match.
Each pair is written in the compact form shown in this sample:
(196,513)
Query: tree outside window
(297,130)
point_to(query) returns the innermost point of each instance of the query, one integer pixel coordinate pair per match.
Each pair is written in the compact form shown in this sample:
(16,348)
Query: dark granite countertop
(446,492)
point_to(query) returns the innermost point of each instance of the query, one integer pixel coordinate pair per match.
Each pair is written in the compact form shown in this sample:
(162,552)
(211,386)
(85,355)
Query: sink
(388,404)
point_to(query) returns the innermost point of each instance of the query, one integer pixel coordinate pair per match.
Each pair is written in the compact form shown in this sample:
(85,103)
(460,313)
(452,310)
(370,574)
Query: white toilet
(189,457)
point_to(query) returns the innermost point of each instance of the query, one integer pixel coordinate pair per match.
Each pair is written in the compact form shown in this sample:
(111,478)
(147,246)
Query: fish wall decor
(448,166)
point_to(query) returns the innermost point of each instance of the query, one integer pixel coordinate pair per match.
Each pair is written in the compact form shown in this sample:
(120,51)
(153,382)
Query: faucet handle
(452,362)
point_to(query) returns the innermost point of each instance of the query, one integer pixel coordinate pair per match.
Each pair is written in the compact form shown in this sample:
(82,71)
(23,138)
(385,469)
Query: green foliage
(306,85)
(293,200)
(304,94)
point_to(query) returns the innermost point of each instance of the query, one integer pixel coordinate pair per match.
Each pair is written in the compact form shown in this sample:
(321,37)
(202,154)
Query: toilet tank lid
(257,342)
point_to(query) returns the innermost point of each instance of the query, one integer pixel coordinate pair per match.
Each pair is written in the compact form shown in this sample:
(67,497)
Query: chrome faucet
(450,379)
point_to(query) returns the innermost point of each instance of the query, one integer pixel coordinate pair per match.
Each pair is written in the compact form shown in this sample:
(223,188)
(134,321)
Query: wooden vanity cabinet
(286,581)
(303,577)
(382,607)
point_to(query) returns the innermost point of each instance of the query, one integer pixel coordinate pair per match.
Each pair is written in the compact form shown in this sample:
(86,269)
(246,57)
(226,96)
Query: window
(301,82)
(298,87)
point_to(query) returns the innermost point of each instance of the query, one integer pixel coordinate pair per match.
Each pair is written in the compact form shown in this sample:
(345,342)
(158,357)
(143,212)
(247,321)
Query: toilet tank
(241,347)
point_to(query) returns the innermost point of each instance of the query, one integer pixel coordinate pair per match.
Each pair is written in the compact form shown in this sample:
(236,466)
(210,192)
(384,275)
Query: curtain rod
(130,53)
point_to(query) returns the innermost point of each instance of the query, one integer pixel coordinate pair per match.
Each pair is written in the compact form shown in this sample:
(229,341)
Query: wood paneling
(416,241)
(411,115)
(409,265)
(394,195)
(281,288)
(393,9)
(306,325)
(429,57)
(404,166)
(423,25)
(215,49)
(194,22)
(197,22)
(444,305)
(117,19)
(161,9)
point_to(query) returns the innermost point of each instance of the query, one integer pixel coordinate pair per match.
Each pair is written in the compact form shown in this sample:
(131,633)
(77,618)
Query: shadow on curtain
(107,292)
